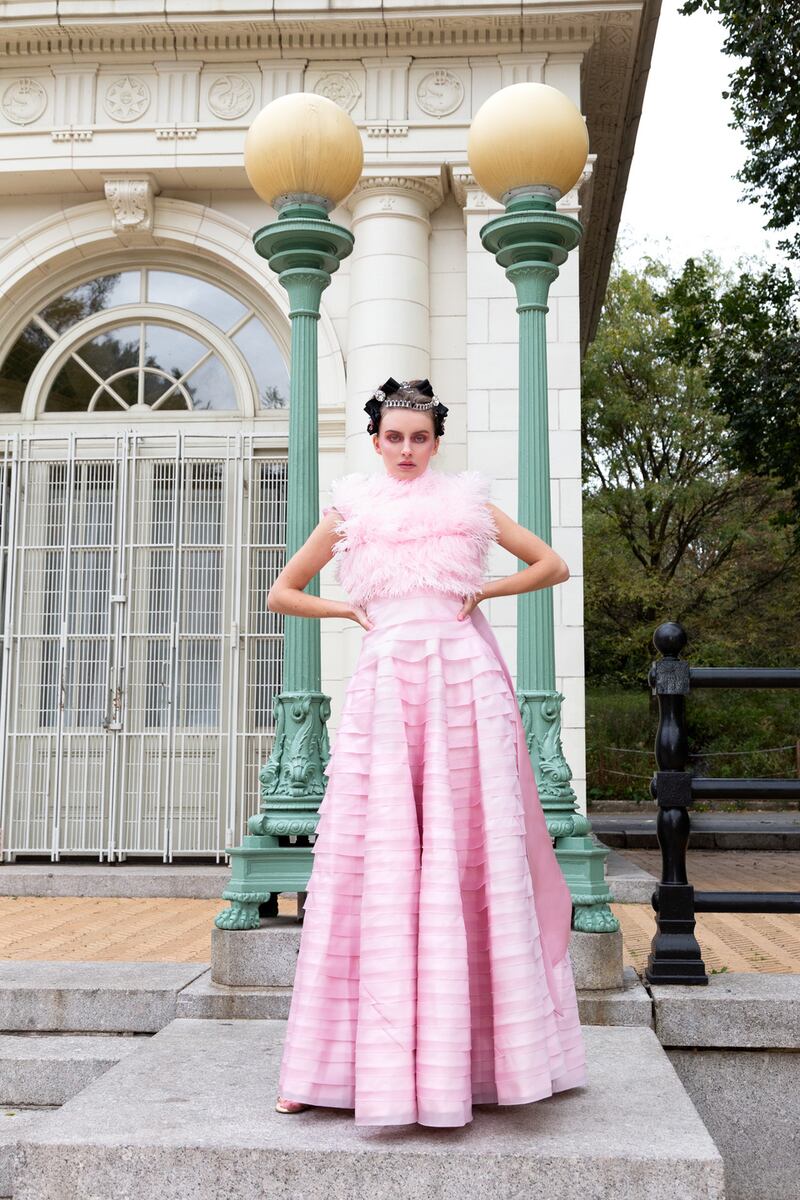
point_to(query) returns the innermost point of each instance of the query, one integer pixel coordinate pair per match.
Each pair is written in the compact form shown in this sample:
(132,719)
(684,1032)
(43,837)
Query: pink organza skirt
(423,985)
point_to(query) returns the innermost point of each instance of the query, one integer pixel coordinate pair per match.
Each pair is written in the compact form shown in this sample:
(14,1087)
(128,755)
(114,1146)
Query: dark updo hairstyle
(413,392)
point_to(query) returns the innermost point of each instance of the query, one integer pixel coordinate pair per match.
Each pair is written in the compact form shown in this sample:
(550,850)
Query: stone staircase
(150,1081)
(63,1025)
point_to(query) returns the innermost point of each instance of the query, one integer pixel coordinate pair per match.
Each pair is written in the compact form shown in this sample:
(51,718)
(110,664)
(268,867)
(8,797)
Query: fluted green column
(304,248)
(531,240)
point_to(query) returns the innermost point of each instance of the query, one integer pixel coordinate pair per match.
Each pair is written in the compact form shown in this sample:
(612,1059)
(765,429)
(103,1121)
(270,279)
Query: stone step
(204,999)
(91,997)
(710,830)
(49,1069)
(628,882)
(16,1122)
(128,880)
(191,1114)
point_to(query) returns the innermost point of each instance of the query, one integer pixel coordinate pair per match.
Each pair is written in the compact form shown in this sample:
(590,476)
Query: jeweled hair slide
(384,394)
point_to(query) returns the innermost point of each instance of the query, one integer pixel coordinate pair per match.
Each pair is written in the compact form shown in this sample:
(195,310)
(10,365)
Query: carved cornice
(317,33)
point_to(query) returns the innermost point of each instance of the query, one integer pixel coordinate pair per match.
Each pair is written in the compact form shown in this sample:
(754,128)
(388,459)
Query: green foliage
(746,336)
(676,526)
(764,90)
(729,734)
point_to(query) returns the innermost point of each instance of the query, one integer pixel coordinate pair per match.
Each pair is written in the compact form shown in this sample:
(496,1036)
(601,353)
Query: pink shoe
(290,1106)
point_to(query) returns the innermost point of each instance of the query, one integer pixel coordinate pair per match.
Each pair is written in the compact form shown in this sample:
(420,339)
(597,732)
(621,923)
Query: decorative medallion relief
(127,99)
(24,101)
(340,88)
(230,97)
(440,93)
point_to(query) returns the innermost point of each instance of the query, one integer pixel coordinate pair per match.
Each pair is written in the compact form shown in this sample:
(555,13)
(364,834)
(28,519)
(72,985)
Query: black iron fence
(674,952)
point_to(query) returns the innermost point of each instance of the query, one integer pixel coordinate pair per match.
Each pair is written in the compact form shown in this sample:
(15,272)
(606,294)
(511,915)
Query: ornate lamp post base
(292,787)
(581,859)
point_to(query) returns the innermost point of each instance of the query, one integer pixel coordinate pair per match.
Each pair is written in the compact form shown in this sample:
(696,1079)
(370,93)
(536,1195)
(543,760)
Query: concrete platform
(710,830)
(204,999)
(15,1123)
(738,1010)
(191,1115)
(627,1005)
(192,881)
(92,997)
(51,1069)
(628,882)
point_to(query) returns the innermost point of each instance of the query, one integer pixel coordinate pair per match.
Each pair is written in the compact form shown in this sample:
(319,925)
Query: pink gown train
(434,970)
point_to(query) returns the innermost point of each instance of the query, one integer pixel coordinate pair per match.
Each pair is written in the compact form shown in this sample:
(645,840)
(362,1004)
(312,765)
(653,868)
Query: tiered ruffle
(421,987)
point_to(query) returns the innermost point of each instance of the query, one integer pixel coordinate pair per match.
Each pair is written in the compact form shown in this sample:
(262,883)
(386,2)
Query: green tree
(764,91)
(746,335)
(674,528)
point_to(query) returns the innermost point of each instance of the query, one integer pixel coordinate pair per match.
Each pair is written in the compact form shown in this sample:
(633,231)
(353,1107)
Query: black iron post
(674,951)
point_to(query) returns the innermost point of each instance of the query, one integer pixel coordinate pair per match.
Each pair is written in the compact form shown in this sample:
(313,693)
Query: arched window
(145,340)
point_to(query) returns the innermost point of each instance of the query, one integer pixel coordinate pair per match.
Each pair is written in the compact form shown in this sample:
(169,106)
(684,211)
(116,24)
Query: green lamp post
(527,147)
(303,155)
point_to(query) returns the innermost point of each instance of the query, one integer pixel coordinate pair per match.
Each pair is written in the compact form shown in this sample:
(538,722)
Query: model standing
(433,971)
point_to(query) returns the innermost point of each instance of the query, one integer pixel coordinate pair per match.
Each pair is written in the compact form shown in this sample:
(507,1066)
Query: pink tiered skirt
(423,985)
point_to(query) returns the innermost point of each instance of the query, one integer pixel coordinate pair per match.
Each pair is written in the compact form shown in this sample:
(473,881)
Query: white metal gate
(139,660)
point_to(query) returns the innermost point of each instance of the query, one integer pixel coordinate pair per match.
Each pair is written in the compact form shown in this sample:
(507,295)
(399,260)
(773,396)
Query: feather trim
(397,536)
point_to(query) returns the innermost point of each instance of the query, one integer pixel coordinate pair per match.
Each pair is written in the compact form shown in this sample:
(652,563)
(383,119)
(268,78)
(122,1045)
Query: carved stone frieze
(340,87)
(440,93)
(127,99)
(23,101)
(230,97)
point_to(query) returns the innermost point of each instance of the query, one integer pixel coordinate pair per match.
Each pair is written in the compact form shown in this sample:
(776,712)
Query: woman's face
(406,442)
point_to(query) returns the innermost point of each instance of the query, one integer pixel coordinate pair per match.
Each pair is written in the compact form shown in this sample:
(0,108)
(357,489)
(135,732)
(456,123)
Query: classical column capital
(468,192)
(426,189)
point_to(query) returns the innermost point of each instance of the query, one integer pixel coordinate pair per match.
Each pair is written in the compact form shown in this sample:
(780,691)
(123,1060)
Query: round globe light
(303,145)
(528,134)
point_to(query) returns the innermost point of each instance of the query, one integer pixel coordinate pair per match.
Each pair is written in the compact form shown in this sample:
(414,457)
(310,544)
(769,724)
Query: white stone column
(389,305)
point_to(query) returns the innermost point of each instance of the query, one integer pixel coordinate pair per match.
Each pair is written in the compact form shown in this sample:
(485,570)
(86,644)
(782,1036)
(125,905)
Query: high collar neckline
(427,476)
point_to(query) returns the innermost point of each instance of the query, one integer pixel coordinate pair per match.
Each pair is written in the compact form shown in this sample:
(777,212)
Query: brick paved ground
(102,930)
(746,942)
(39,928)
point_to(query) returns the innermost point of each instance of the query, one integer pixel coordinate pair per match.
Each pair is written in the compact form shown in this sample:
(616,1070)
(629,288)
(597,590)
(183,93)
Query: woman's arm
(544,569)
(286,594)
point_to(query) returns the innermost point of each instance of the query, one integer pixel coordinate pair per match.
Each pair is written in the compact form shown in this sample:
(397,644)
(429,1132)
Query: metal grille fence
(139,660)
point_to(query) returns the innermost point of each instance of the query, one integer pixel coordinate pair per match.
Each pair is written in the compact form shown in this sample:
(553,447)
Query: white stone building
(144,368)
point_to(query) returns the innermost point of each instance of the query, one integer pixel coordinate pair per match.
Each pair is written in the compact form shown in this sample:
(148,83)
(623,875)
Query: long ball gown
(433,971)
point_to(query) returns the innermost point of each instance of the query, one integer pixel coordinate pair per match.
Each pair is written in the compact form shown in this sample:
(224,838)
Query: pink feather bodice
(399,536)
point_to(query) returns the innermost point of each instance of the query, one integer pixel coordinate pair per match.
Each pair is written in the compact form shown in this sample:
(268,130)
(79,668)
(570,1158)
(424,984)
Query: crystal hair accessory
(388,390)
(392,394)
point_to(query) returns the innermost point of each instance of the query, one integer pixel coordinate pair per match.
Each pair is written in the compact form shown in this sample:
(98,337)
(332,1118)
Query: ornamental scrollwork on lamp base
(292,780)
(541,720)
(593,917)
(243,912)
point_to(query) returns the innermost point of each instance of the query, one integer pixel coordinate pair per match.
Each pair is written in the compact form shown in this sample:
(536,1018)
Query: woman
(433,971)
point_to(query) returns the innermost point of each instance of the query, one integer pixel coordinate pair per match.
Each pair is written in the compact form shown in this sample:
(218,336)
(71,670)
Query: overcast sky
(681,185)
